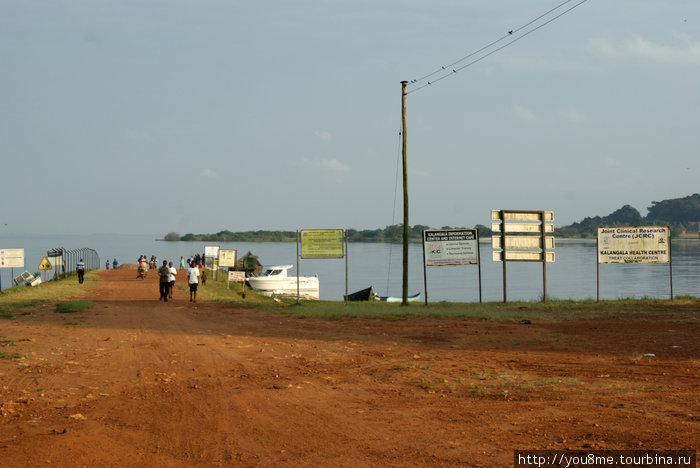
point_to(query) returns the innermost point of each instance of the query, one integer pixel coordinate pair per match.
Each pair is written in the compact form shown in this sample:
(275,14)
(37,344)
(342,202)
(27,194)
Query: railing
(71,258)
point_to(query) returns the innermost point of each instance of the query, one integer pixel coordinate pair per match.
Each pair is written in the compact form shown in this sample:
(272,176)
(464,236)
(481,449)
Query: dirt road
(137,382)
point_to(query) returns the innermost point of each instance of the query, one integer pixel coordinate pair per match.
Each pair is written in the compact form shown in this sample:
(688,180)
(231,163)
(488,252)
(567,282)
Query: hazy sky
(198,116)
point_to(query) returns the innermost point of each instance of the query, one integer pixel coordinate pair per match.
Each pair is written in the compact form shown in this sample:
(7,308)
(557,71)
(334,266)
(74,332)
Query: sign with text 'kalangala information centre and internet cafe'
(639,244)
(450,247)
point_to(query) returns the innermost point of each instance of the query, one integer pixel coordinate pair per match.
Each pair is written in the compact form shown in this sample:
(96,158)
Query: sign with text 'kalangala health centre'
(639,244)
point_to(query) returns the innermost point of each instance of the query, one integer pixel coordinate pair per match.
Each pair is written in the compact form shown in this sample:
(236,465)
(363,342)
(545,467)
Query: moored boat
(275,282)
(361,295)
(412,298)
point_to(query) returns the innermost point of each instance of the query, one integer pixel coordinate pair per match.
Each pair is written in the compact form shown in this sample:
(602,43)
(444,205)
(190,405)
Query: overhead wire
(509,34)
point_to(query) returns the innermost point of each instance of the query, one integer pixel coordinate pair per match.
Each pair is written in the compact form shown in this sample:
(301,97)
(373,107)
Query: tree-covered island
(681,214)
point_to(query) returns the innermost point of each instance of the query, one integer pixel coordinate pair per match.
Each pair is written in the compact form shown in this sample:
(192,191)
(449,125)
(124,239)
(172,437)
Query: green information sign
(322,243)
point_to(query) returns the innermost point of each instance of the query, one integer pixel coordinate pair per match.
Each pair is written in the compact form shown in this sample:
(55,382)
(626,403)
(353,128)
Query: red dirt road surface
(137,382)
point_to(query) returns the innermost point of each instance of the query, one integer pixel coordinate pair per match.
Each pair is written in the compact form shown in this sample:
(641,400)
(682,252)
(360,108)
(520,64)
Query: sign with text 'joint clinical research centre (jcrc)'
(639,244)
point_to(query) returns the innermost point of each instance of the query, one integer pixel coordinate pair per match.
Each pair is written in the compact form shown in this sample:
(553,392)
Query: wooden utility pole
(404,286)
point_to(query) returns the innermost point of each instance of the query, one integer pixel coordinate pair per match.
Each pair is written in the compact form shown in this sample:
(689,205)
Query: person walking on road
(80,268)
(164,273)
(193,280)
(171,279)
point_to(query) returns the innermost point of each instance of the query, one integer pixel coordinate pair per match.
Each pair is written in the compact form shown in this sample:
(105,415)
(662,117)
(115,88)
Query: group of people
(193,260)
(150,263)
(167,274)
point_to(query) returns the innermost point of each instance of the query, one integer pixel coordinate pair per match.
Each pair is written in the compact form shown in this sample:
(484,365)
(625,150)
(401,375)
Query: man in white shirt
(193,280)
(80,268)
(171,280)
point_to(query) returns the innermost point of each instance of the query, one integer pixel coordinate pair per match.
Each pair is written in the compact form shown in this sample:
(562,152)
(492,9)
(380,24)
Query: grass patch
(73,306)
(552,311)
(10,309)
(11,342)
(411,366)
(11,356)
(14,301)
(216,290)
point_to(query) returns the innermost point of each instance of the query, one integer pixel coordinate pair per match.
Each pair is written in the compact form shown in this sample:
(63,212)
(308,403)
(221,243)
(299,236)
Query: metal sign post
(634,244)
(227,258)
(529,240)
(11,258)
(450,247)
(322,243)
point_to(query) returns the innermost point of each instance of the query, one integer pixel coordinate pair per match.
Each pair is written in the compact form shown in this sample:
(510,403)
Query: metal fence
(70,259)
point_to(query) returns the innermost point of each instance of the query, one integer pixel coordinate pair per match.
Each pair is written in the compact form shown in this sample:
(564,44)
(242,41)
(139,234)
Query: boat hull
(362,295)
(286,287)
(413,298)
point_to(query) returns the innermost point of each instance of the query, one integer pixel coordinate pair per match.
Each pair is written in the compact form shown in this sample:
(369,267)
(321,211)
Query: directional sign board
(546,216)
(521,227)
(531,239)
(515,256)
(528,240)
(522,242)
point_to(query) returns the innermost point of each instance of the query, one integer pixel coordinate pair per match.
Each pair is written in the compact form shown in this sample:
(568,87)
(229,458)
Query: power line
(509,34)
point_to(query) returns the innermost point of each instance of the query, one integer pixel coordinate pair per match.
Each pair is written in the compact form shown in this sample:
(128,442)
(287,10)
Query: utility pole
(404,286)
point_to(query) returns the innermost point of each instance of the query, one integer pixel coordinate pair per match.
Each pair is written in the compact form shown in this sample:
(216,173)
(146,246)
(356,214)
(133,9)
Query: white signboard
(236,276)
(640,244)
(11,258)
(55,257)
(522,256)
(522,216)
(211,251)
(450,247)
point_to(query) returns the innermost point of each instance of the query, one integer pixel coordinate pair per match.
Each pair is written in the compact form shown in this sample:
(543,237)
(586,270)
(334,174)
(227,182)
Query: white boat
(412,298)
(274,282)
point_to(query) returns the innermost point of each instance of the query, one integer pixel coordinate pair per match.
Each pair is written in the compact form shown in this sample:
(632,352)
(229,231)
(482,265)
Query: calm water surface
(572,276)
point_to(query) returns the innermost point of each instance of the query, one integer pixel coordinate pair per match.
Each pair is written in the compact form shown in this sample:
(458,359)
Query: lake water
(572,276)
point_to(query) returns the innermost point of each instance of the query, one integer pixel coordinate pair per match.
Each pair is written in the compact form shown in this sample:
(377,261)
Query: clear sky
(198,116)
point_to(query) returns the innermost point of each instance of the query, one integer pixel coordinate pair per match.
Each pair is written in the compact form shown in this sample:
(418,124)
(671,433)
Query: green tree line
(389,234)
(681,214)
